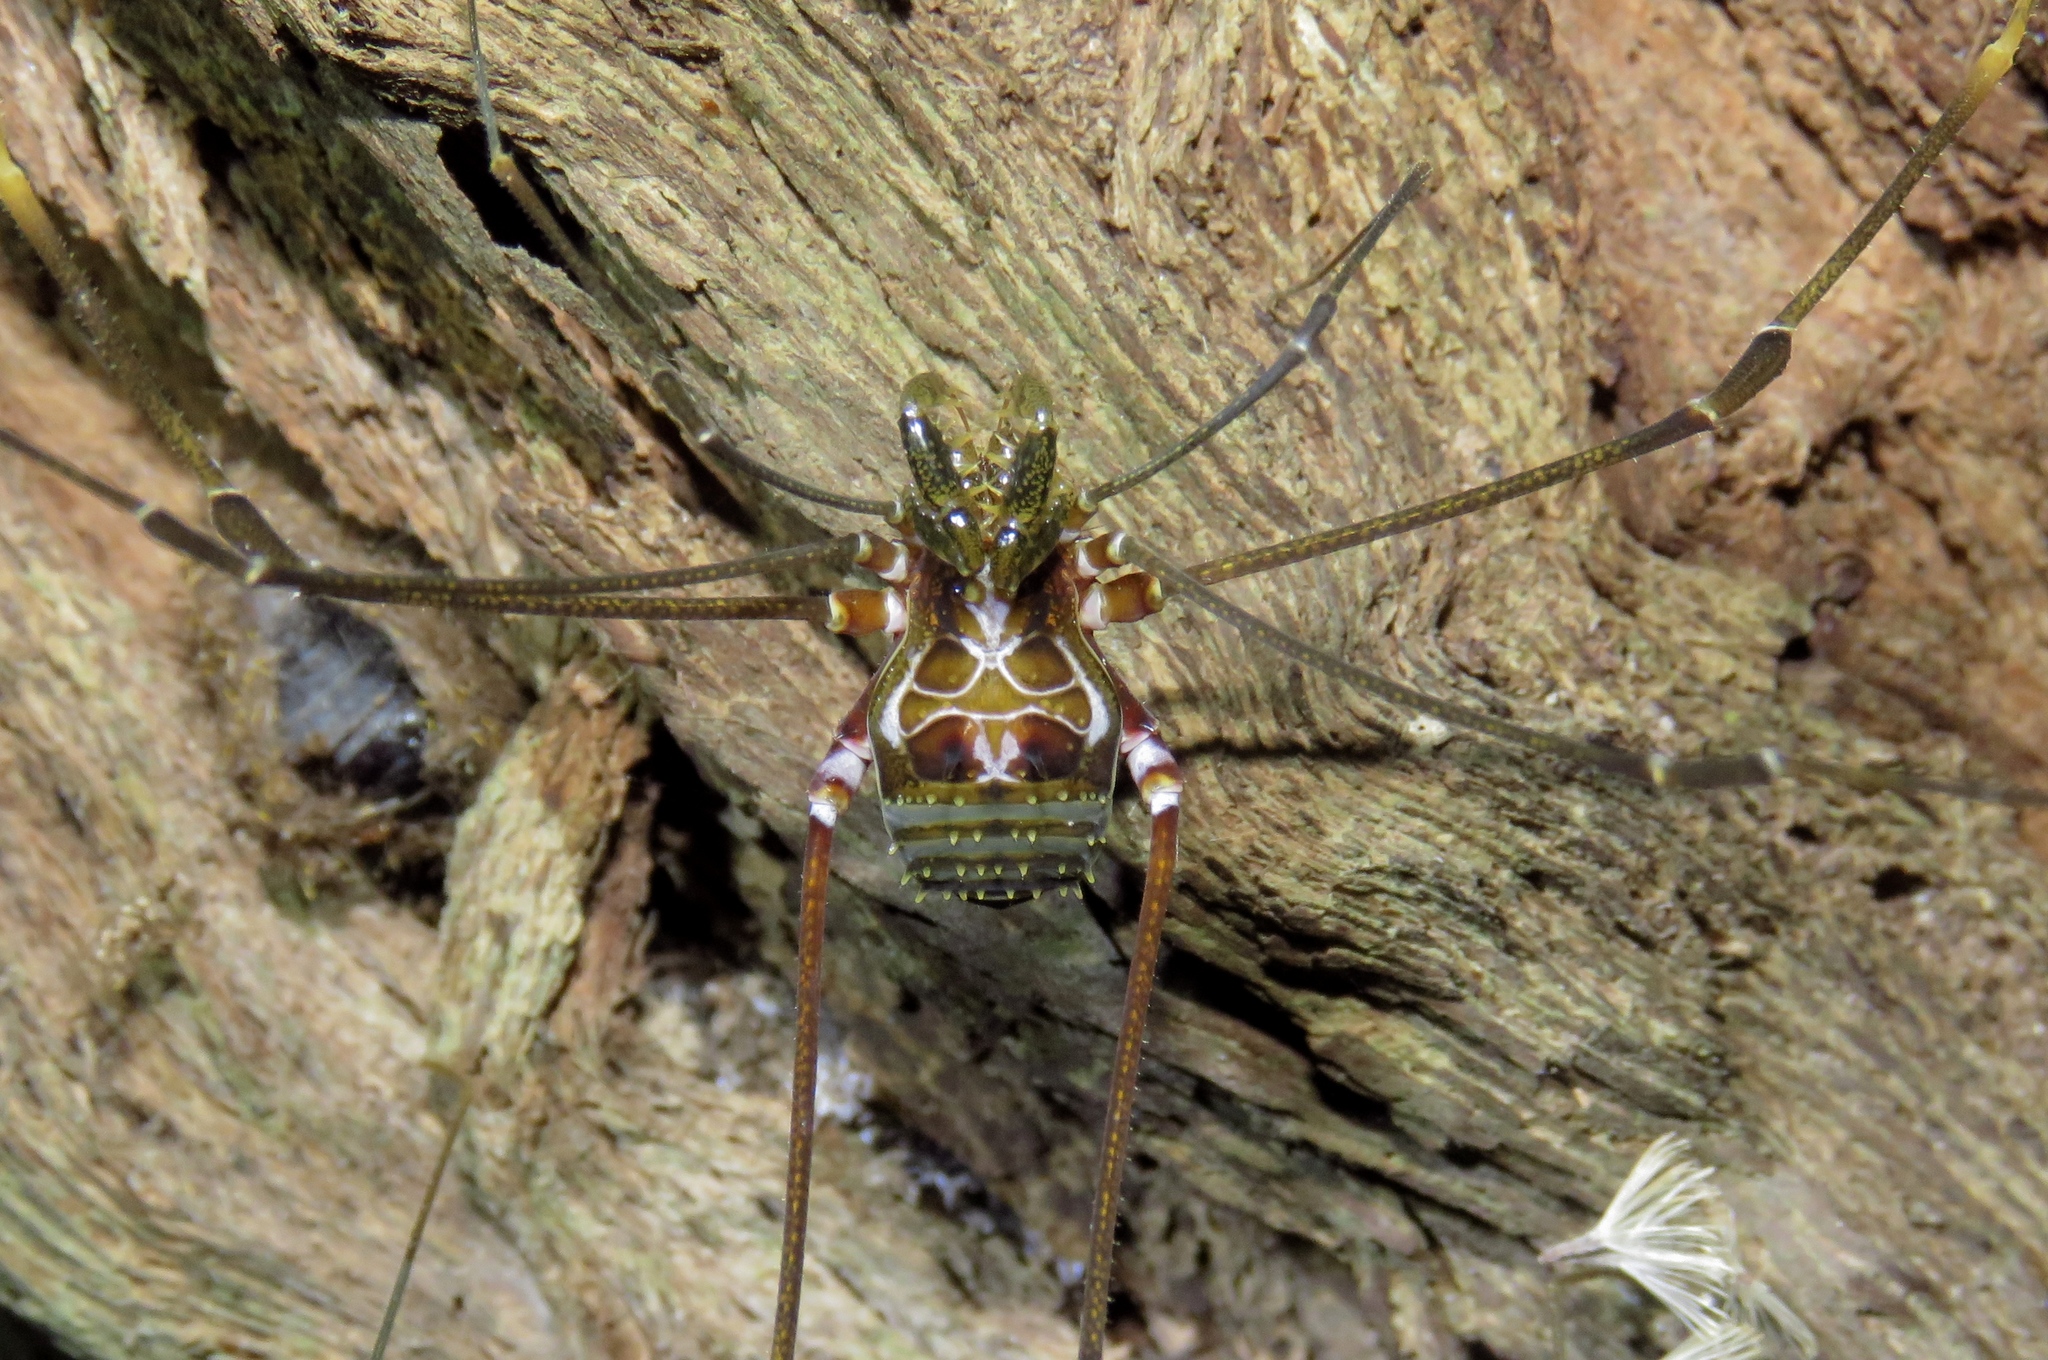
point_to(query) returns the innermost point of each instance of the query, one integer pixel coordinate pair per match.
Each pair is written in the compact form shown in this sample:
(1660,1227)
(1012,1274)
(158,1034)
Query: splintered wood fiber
(1425,1000)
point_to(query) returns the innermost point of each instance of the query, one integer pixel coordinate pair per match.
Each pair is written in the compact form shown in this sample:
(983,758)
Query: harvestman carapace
(995,726)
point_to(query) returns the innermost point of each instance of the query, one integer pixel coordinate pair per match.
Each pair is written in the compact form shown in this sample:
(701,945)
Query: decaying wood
(1426,1004)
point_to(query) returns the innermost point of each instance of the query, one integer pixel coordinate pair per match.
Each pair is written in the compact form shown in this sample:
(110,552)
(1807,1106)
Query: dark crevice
(1986,241)
(1462,1156)
(21,1339)
(1113,910)
(1858,438)
(414,870)
(1805,835)
(1194,979)
(1896,882)
(1345,974)
(464,152)
(1603,399)
(702,926)
(1125,1323)
(989,1040)
(218,155)
(465,155)
(659,31)
(40,291)
(1797,649)
(1369,1111)
(294,54)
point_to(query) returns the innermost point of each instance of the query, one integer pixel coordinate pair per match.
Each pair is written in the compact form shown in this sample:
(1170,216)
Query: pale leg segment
(1157,775)
(838,778)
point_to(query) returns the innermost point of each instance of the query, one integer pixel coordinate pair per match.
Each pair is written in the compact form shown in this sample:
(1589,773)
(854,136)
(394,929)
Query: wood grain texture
(1425,1005)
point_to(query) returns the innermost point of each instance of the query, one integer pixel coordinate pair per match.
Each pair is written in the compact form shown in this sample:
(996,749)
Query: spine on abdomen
(997,853)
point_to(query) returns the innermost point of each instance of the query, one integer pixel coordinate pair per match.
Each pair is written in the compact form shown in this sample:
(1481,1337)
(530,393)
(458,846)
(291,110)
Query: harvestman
(995,725)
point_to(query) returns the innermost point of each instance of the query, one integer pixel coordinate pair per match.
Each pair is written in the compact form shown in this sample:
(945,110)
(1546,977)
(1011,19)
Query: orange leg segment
(1158,778)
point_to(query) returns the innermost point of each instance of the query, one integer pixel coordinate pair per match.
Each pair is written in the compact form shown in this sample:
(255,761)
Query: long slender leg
(502,596)
(629,314)
(233,515)
(1761,361)
(419,1224)
(838,778)
(1297,348)
(262,555)
(1706,772)
(424,589)
(803,1090)
(1157,775)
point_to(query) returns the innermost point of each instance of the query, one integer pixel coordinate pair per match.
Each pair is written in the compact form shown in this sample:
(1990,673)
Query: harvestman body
(995,727)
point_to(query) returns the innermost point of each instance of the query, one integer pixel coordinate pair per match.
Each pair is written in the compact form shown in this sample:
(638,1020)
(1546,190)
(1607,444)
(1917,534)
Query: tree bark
(1425,1002)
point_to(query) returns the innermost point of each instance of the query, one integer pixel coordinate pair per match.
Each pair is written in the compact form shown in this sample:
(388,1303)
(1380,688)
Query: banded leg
(838,778)
(1748,769)
(631,314)
(1157,775)
(1758,366)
